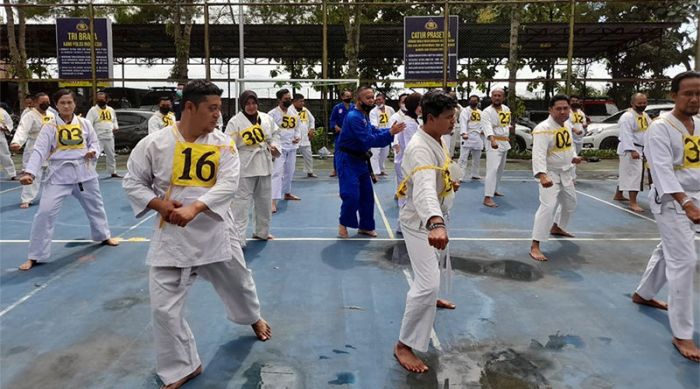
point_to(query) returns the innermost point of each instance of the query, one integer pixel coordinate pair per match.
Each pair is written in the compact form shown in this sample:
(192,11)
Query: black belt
(638,145)
(362,156)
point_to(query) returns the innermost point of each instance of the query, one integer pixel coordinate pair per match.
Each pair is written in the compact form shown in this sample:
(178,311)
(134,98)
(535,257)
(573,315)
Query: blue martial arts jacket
(359,135)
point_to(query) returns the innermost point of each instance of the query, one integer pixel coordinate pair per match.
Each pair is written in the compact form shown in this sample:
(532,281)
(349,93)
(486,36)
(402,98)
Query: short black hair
(575,97)
(435,103)
(559,97)
(477,97)
(281,93)
(402,96)
(102,93)
(380,94)
(63,92)
(197,91)
(164,98)
(676,81)
(297,96)
(39,94)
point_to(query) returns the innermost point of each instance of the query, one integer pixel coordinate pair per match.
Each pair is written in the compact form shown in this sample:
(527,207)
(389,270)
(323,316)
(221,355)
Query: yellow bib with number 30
(475,116)
(504,118)
(105,115)
(195,164)
(562,140)
(691,152)
(69,137)
(253,135)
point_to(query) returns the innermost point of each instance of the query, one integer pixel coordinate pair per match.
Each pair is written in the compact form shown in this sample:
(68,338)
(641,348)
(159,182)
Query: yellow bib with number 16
(691,152)
(195,164)
(69,137)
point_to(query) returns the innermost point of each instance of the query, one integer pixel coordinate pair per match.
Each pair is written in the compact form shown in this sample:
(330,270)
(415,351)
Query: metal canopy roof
(379,42)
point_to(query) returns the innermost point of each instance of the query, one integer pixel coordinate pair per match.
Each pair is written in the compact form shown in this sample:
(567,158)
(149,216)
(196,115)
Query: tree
(17,45)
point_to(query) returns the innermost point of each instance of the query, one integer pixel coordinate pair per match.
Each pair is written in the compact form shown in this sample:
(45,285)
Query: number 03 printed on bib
(69,137)
(195,164)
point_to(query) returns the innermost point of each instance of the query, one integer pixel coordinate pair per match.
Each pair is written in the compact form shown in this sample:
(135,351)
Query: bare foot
(289,196)
(333,174)
(110,242)
(488,201)
(687,348)
(536,254)
(372,234)
(274,206)
(342,231)
(620,198)
(178,384)
(24,205)
(558,231)
(262,330)
(654,303)
(498,194)
(27,265)
(636,208)
(408,359)
(445,304)
(269,237)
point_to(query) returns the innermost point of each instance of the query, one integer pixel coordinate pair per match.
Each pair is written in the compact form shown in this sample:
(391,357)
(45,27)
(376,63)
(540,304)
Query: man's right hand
(494,144)
(274,151)
(635,155)
(545,181)
(397,127)
(26,179)
(693,213)
(164,207)
(337,129)
(438,238)
(465,136)
(15,147)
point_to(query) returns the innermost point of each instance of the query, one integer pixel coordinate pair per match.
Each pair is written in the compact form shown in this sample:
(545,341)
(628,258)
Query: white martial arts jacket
(164,165)
(159,121)
(633,126)
(380,119)
(578,120)
(497,124)
(674,159)
(104,121)
(405,136)
(427,186)
(253,141)
(30,126)
(64,145)
(552,149)
(288,124)
(6,121)
(306,122)
(470,123)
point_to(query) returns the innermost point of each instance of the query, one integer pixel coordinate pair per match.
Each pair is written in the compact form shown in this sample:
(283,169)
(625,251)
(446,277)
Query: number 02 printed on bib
(195,164)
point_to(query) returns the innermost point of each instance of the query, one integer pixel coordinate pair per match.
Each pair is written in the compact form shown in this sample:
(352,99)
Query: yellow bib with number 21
(691,152)
(69,137)
(195,164)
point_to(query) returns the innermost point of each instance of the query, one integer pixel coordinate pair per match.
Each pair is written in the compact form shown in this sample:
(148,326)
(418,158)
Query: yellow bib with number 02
(578,118)
(105,115)
(475,116)
(253,135)
(691,152)
(383,118)
(562,140)
(69,137)
(642,123)
(504,118)
(195,164)
(288,121)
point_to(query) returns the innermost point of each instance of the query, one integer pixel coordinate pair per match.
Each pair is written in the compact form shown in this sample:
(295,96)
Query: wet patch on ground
(122,303)
(272,375)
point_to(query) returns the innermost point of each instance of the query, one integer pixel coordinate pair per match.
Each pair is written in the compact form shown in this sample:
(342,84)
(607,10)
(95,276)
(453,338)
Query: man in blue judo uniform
(337,118)
(358,135)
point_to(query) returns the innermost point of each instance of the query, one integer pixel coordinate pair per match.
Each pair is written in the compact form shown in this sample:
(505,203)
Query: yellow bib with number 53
(195,164)
(504,118)
(288,121)
(691,152)
(562,140)
(69,137)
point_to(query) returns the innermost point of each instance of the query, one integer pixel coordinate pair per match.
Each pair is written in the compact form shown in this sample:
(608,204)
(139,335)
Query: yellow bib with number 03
(288,121)
(69,137)
(195,164)
(303,117)
(168,120)
(691,152)
(383,118)
(253,135)
(504,118)
(105,115)
(642,123)
(475,116)
(578,118)
(562,140)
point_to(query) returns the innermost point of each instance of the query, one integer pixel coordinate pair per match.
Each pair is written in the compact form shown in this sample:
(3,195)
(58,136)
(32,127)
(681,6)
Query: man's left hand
(90,155)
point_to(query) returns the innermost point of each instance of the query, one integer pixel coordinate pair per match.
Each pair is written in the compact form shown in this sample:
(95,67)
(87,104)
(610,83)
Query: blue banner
(424,50)
(74,50)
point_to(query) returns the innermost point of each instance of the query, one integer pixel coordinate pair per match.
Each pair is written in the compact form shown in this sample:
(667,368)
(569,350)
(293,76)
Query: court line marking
(146,240)
(381,212)
(11,189)
(433,334)
(616,206)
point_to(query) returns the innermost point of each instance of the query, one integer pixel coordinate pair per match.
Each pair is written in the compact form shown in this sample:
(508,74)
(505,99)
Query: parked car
(523,138)
(599,109)
(133,126)
(604,135)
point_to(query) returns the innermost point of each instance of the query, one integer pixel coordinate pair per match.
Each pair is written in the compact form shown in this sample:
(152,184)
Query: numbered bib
(383,119)
(168,120)
(105,115)
(46,119)
(69,137)
(195,164)
(289,121)
(642,123)
(691,152)
(253,135)
(475,116)
(504,118)
(303,117)
(578,118)
(562,140)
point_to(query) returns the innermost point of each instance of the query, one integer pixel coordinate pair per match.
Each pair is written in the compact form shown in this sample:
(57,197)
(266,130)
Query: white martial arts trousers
(673,261)
(421,299)
(29,192)
(379,155)
(5,157)
(630,173)
(307,154)
(258,189)
(283,172)
(176,350)
(464,160)
(561,195)
(495,165)
(578,147)
(107,145)
(90,198)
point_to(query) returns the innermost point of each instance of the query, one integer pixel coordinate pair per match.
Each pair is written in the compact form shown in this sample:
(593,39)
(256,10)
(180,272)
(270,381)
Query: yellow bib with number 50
(504,118)
(69,137)
(562,140)
(253,135)
(195,164)
(691,152)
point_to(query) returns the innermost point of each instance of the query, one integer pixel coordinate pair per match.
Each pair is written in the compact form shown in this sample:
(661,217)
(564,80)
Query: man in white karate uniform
(579,124)
(26,134)
(633,126)
(307,125)
(553,160)
(104,120)
(188,173)
(164,117)
(497,125)
(290,136)
(399,117)
(428,188)
(673,150)
(28,105)
(379,117)
(413,121)
(471,133)
(6,127)
(257,139)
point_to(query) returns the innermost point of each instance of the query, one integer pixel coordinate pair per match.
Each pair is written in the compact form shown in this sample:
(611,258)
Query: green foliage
(320,139)
(602,154)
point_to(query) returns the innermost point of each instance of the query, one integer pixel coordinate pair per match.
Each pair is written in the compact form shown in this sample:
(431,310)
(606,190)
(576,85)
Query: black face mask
(102,104)
(44,106)
(164,110)
(640,109)
(347,101)
(286,104)
(473,105)
(366,107)
(576,106)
